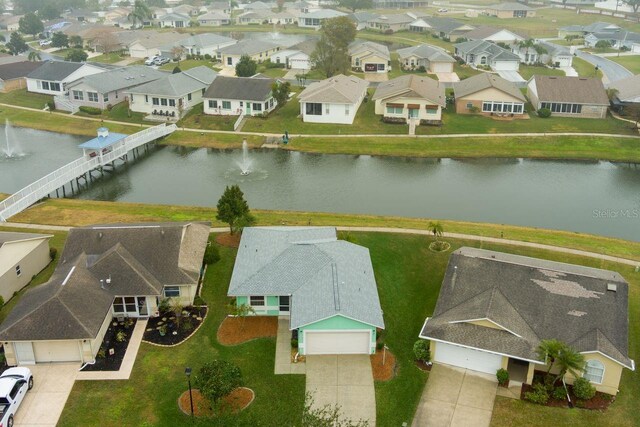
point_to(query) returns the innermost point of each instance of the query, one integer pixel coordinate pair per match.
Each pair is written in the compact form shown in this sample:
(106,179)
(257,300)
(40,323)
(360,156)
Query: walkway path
(404,231)
(283,363)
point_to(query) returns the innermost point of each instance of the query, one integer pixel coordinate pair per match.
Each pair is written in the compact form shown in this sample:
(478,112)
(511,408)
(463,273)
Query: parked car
(45,42)
(443,10)
(14,384)
(161,60)
(151,60)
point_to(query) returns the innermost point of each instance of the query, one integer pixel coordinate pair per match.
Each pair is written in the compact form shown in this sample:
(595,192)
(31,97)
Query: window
(18,271)
(93,96)
(266,106)
(213,104)
(45,85)
(357,62)
(163,101)
(257,106)
(594,371)
(171,291)
(155,101)
(469,105)
(226,105)
(55,86)
(16,388)
(483,60)
(105,98)
(380,67)
(125,305)
(431,109)
(256,301)
(189,97)
(271,102)
(486,106)
(313,108)
(78,95)
(394,109)
(172,103)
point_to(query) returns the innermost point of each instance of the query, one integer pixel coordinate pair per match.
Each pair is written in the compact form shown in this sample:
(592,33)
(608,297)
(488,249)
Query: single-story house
(617,39)
(214,19)
(198,44)
(259,5)
(249,96)
(258,50)
(325,286)
(52,77)
(297,56)
(81,15)
(399,4)
(22,256)
(556,55)
(494,310)
(446,28)
(185,9)
(487,54)
(174,20)
(495,35)
(299,6)
(314,18)
(13,75)
(583,30)
(410,97)
(627,93)
(257,17)
(217,6)
(369,57)
(433,59)
(108,88)
(511,10)
(489,94)
(148,43)
(174,94)
(393,23)
(361,18)
(11,23)
(333,100)
(569,96)
(104,272)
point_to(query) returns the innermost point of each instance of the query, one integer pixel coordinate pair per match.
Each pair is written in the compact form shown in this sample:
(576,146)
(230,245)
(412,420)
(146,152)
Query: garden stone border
(187,338)
(442,251)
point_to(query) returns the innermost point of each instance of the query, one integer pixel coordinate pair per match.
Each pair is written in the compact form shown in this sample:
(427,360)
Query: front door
(248,109)
(284,304)
(413,113)
(142,306)
(229,60)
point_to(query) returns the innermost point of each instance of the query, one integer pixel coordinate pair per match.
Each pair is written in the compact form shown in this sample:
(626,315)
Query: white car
(14,384)
(151,60)
(45,42)
(443,10)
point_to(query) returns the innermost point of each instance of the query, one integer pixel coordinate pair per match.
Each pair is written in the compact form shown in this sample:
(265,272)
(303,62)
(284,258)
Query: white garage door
(442,67)
(506,65)
(467,358)
(56,351)
(337,342)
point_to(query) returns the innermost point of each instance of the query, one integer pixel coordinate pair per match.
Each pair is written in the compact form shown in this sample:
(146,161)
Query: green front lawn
(584,68)
(527,71)
(22,98)
(109,58)
(120,112)
(197,120)
(186,64)
(631,63)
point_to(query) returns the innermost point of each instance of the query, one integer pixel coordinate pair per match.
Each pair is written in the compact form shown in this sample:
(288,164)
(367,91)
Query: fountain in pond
(245,163)
(275,35)
(11,147)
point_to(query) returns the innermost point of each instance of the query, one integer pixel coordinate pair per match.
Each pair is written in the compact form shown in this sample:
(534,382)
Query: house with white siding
(174,20)
(22,256)
(53,76)
(487,54)
(214,19)
(258,50)
(198,44)
(234,96)
(314,18)
(432,58)
(333,100)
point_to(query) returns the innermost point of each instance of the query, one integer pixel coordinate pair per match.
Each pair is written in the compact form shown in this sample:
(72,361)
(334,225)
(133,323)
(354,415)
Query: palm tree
(139,13)
(34,56)
(569,360)
(436,229)
(549,350)
(526,45)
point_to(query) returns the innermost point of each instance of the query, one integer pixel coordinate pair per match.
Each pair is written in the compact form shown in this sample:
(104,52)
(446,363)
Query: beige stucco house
(489,95)
(569,96)
(494,309)
(369,57)
(410,97)
(511,10)
(104,272)
(22,256)
(432,58)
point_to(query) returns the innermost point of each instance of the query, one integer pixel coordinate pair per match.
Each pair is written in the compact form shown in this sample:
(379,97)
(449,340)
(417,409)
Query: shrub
(539,394)
(121,336)
(503,376)
(421,350)
(109,107)
(102,353)
(559,393)
(211,255)
(422,69)
(199,301)
(53,252)
(217,379)
(294,343)
(189,56)
(164,305)
(187,324)
(544,113)
(388,31)
(379,345)
(207,56)
(51,105)
(1,301)
(583,389)
(91,110)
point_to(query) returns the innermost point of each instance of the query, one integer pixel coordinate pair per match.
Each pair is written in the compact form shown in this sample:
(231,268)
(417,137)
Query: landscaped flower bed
(168,329)
(114,346)
(383,365)
(600,401)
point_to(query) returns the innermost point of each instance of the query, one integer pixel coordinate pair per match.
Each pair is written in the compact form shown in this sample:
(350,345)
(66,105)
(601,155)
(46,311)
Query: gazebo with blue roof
(103,143)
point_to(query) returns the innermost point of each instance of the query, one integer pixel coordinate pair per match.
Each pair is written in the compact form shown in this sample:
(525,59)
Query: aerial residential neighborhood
(319,213)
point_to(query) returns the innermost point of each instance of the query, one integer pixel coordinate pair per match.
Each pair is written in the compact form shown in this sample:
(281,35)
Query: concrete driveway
(44,403)
(343,380)
(456,397)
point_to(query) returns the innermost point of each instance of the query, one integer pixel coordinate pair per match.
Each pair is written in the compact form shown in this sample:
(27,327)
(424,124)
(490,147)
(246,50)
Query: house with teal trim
(325,286)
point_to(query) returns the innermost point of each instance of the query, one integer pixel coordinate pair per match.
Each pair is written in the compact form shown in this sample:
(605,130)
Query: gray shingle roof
(628,89)
(509,6)
(358,46)
(432,53)
(120,78)
(323,14)
(6,237)
(533,300)
(179,84)
(445,25)
(312,266)
(580,90)
(492,50)
(206,40)
(486,31)
(411,86)
(55,70)
(140,259)
(17,70)
(240,88)
(338,89)
(483,81)
(249,47)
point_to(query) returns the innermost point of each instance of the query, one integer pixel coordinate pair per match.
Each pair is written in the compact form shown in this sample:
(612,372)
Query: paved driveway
(455,397)
(512,76)
(44,403)
(345,380)
(447,77)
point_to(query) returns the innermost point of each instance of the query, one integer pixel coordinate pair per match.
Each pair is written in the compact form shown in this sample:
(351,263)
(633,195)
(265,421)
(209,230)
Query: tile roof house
(22,256)
(172,96)
(432,58)
(333,100)
(489,95)
(52,77)
(325,286)
(410,97)
(258,50)
(249,96)
(369,57)
(13,75)
(569,96)
(494,309)
(487,54)
(511,10)
(103,271)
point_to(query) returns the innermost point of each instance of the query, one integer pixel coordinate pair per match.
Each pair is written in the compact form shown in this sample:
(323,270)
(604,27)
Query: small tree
(218,378)
(16,44)
(34,56)
(281,92)
(569,360)
(59,39)
(49,11)
(76,55)
(211,255)
(436,229)
(603,44)
(177,52)
(232,207)
(241,311)
(502,375)
(246,67)
(176,70)
(75,41)
(30,24)
(421,350)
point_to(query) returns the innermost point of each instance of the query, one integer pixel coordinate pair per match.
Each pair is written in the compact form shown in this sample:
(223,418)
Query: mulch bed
(236,401)
(600,401)
(226,239)
(237,330)
(383,372)
(174,334)
(422,365)
(105,361)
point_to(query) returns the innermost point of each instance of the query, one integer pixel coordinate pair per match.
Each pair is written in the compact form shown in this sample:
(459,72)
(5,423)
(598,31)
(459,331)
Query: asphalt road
(612,70)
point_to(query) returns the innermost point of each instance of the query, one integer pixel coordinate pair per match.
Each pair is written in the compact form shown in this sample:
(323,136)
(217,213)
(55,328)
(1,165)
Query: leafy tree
(331,55)
(176,70)
(34,56)
(139,13)
(2,37)
(106,41)
(354,5)
(280,4)
(211,254)
(549,350)
(177,52)
(75,41)
(30,24)
(634,4)
(246,67)
(232,207)
(59,39)
(218,378)
(281,92)
(436,229)
(76,55)
(569,360)
(16,44)
(603,44)
(241,311)
(326,416)
(156,3)
(49,11)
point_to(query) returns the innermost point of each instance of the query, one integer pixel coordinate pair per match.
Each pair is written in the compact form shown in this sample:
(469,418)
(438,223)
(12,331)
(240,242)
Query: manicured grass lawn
(120,112)
(527,71)
(464,71)
(109,58)
(631,63)
(22,98)
(187,64)
(196,119)
(563,42)
(584,68)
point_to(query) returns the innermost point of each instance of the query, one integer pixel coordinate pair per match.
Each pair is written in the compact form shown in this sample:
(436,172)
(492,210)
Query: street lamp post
(187,372)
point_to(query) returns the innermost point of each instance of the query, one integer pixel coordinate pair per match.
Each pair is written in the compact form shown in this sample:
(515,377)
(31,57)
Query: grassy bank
(74,212)
(631,63)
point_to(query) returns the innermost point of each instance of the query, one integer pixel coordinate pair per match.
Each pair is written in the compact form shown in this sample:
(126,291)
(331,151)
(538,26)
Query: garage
(467,358)
(337,342)
(442,67)
(506,65)
(56,351)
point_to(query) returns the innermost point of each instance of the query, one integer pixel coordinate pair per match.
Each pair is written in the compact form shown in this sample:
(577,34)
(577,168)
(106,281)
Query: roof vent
(612,287)
(100,235)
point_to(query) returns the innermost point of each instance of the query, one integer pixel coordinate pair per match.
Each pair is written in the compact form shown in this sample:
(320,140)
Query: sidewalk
(283,363)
